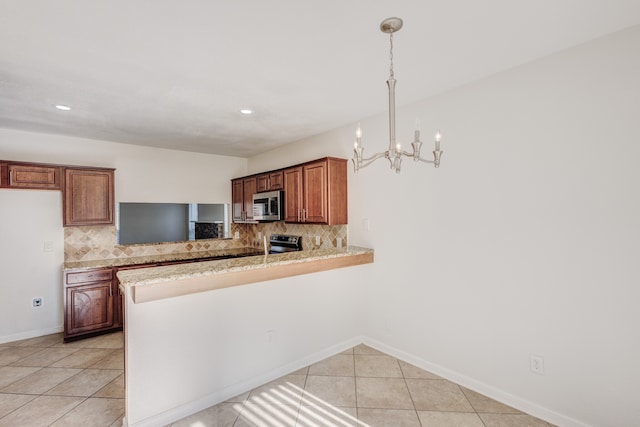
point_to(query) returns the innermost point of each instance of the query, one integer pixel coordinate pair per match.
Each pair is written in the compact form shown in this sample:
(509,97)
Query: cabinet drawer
(34,176)
(89,276)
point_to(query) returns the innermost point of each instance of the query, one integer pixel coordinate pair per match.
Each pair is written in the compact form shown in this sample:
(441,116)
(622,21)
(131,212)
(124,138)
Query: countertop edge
(173,287)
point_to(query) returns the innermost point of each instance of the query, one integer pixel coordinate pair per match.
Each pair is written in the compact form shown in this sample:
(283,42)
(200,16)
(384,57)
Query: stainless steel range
(281,243)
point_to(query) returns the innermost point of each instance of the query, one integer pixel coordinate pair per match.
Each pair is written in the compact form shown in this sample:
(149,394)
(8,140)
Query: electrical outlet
(270,336)
(37,302)
(339,242)
(48,246)
(317,240)
(536,364)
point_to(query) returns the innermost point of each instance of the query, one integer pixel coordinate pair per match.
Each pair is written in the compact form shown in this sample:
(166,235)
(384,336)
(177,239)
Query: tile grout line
(53,344)
(404,379)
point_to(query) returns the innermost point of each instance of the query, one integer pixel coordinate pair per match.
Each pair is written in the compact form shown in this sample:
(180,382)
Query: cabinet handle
(111,290)
(10,177)
(299,215)
(304,215)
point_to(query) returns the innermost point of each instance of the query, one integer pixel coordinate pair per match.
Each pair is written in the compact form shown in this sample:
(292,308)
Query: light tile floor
(44,382)
(361,387)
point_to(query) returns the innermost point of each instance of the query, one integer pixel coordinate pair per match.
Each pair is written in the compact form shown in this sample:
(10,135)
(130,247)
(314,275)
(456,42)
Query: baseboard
(226,393)
(221,395)
(478,386)
(30,334)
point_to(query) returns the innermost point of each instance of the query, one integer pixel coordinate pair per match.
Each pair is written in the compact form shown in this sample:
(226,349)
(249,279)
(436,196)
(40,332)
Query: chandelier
(394,153)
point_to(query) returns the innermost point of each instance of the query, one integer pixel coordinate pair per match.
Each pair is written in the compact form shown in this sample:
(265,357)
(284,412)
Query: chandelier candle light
(394,153)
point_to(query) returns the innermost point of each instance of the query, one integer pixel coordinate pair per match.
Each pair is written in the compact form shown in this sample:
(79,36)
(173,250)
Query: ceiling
(174,74)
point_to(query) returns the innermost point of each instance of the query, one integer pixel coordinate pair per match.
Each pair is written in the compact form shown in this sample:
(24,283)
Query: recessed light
(63,107)
(246,111)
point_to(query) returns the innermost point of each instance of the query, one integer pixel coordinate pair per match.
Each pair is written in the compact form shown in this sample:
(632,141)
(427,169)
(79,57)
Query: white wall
(29,217)
(218,344)
(525,241)
(28,220)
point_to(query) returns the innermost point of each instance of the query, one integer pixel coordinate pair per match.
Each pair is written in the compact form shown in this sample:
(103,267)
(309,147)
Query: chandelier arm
(367,161)
(423,160)
(406,153)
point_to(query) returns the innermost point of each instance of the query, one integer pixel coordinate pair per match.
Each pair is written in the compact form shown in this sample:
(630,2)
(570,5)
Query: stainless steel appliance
(268,206)
(281,243)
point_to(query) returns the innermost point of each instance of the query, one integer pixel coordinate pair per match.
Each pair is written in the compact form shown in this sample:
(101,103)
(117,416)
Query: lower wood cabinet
(93,303)
(90,307)
(88,302)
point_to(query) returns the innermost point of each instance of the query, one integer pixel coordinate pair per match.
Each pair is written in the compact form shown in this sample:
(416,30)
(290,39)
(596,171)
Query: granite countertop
(163,274)
(181,256)
(153,283)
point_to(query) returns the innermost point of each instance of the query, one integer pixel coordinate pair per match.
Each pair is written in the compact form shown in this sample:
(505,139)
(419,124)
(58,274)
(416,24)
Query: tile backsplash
(89,243)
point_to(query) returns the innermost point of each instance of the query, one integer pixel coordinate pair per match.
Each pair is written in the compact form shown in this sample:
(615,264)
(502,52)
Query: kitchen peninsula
(192,330)
(155,283)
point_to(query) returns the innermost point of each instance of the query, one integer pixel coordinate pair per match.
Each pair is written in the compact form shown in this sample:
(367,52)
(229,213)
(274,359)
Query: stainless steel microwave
(268,206)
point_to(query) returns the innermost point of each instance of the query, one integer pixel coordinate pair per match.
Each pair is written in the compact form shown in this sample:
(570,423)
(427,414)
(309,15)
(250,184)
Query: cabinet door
(262,183)
(293,195)
(276,181)
(34,176)
(270,182)
(249,189)
(89,307)
(237,199)
(118,315)
(337,191)
(88,197)
(315,193)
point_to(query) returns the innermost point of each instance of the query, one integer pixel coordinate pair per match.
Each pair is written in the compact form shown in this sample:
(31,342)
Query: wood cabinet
(88,196)
(293,193)
(270,181)
(316,192)
(118,301)
(88,302)
(237,200)
(30,176)
(242,191)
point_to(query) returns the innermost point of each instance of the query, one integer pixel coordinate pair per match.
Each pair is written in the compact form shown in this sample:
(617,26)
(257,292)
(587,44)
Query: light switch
(48,246)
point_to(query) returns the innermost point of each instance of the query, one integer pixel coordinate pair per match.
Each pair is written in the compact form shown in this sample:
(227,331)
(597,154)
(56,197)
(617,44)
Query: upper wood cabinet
(270,181)
(242,191)
(316,192)
(33,176)
(293,193)
(237,200)
(88,196)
